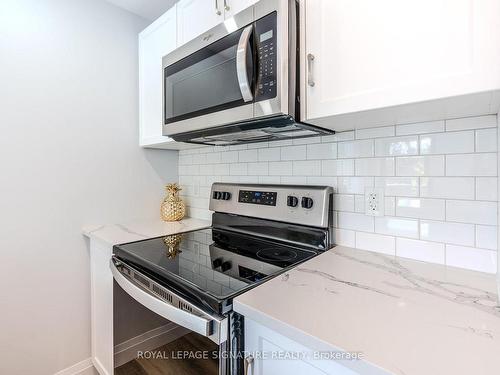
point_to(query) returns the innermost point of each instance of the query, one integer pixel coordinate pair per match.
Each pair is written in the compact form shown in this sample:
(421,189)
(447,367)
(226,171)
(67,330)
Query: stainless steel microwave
(239,82)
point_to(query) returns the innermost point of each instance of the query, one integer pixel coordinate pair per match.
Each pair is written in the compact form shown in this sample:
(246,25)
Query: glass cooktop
(216,263)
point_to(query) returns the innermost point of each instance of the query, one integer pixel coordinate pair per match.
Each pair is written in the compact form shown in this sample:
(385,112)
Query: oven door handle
(241,64)
(207,325)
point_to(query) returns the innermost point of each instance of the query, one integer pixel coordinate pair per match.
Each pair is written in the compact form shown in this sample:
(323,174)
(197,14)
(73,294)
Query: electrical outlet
(374,201)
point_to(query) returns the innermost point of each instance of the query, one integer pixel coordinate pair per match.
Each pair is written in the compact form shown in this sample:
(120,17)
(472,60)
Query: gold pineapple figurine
(172,208)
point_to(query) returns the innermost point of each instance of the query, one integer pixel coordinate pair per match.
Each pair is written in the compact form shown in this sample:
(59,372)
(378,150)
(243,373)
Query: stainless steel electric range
(191,278)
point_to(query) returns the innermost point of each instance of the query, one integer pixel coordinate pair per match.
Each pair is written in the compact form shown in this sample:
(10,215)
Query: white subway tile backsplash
(359,203)
(293,152)
(471,165)
(486,237)
(454,233)
(447,143)
(486,140)
(322,180)
(487,188)
(344,237)
(369,133)
(396,146)
(248,155)
(466,123)
(374,167)
(229,157)
(342,167)
(281,168)
(294,180)
(376,242)
(307,167)
(322,151)
(471,258)
(475,212)
(356,149)
(256,169)
(338,137)
(439,179)
(355,221)
(420,166)
(447,187)
(396,226)
(269,154)
(420,128)
(431,252)
(390,206)
(420,208)
(343,202)
(239,169)
(398,186)
(354,185)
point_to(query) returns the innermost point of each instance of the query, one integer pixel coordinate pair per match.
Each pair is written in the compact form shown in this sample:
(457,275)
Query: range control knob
(292,201)
(226,196)
(307,202)
(217,195)
(217,262)
(225,266)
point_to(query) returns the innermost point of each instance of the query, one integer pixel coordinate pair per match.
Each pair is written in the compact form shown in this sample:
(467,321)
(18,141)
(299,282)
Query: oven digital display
(267,198)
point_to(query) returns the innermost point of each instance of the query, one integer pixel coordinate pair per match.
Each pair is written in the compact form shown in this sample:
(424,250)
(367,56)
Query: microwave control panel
(265,35)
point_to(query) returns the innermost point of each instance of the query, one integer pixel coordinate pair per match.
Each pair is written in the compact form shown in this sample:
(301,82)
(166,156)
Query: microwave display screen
(265,36)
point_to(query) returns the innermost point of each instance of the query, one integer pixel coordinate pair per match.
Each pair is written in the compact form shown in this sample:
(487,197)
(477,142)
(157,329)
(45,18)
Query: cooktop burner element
(274,254)
(255,235)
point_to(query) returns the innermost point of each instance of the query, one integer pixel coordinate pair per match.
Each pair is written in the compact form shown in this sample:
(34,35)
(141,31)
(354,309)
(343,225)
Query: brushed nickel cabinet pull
(226,7)
(310,59)
(248,364)
(217,11)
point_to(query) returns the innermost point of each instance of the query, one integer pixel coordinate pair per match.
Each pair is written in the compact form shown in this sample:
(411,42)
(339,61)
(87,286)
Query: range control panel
(257,197)
(307,205)
(265,29)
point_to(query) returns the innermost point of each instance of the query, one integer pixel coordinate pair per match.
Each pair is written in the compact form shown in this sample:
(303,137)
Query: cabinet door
(273,354)
(376,54)
(194,17)
(231,7)
(155,41)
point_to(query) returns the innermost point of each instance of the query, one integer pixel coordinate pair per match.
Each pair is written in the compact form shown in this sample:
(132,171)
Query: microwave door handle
(241,64)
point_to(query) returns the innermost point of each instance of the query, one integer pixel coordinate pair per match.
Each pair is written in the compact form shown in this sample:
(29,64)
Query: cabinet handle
(248,364)
(310,59)
(217,11)
(226,7)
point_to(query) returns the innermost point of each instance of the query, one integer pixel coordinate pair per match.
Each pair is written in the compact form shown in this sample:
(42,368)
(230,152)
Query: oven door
(168,304)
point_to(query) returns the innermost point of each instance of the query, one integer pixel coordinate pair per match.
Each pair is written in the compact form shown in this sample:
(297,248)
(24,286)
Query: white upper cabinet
(155,41)
(194,17)
(231,7)
(362,56)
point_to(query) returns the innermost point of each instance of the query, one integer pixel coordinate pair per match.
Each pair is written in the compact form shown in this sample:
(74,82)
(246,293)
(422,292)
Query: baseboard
(127,350)
(84,367)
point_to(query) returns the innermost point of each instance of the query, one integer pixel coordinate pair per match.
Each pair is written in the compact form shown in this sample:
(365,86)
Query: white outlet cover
(374,201)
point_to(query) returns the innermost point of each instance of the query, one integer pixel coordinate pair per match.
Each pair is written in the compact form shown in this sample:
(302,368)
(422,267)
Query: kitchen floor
(191,342)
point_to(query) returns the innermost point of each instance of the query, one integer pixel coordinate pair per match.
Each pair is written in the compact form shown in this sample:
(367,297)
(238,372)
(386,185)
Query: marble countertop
(406,317)
(139,230)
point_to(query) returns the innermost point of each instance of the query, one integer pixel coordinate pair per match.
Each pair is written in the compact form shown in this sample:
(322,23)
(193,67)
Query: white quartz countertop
(139,230)
(406,317)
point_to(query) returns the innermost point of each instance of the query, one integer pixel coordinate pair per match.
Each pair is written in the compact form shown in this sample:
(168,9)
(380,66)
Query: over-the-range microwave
(239,82)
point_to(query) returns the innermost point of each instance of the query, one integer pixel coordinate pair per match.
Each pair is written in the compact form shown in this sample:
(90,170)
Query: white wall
(440,181)
(69,156)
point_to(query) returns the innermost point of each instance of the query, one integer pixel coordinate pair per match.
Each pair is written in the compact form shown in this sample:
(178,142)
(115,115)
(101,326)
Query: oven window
(205,81)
